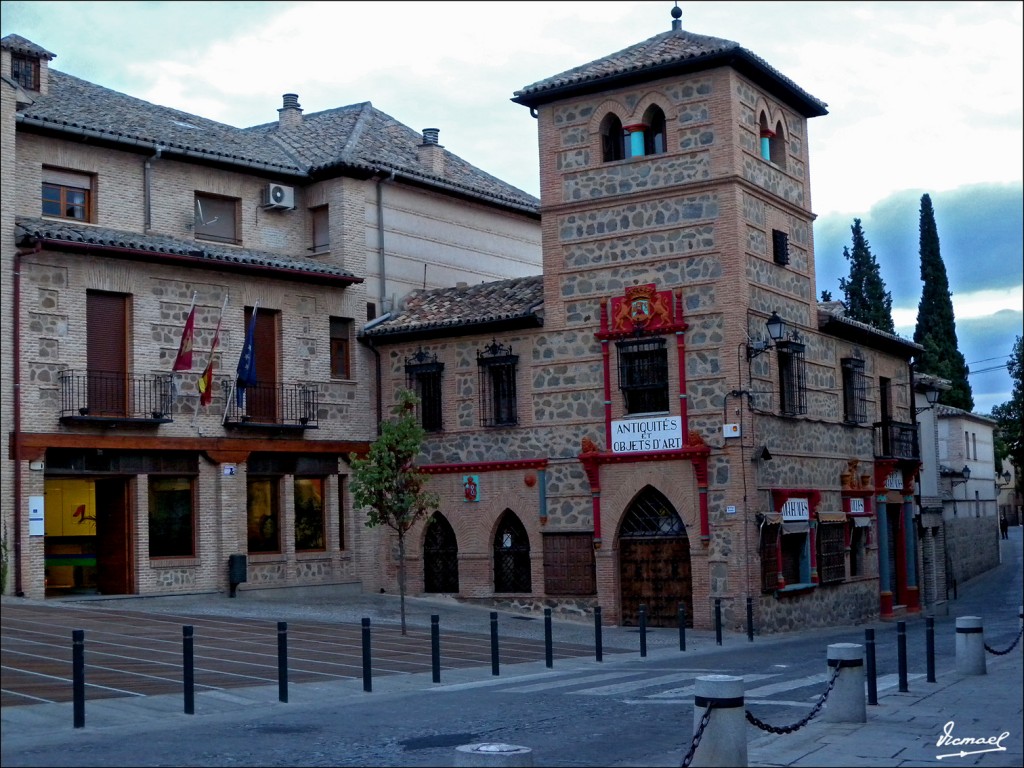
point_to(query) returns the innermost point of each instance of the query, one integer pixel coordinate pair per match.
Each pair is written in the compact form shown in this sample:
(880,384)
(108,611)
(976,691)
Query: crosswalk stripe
(677,693)
(891,681)
(787,685)
(634,685)
(564,683)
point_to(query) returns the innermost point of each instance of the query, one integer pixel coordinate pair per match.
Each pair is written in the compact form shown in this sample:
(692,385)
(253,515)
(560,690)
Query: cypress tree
(936,326)
(864,291)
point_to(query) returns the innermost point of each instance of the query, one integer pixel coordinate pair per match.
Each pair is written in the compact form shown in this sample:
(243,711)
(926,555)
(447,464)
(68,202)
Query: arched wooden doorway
(440,556)
(511,555)
(654,562)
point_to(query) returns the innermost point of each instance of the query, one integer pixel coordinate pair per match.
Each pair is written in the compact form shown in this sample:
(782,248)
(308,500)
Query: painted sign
(796,509)
(643,307)
(661,433)
(856,506)
(894,482)
(471,487)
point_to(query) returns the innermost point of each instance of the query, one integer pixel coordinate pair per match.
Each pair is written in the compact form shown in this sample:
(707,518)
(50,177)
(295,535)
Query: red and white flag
(205,382)
(183,362)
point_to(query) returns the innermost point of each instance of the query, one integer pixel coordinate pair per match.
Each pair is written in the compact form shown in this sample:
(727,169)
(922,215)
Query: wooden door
(262,400)
(114,551)
(106,321)
(655,572)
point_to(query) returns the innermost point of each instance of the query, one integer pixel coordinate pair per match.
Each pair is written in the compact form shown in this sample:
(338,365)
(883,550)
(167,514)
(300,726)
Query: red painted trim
(681,361)
(606,362)
(483,466)
(635,127)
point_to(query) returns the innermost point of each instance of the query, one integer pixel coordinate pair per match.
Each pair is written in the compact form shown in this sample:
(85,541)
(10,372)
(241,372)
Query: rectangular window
(780,247)
(643,375)
(769,558)
(967,445)
(171,517)
(795,565)
(341,342)
(309,514)
(858,539)
(67,195)
(25,71)
(321,229)
(263,514)
(831,552)
(974,445)
(855,404)
(884,399)
(423,376)
(216,218)
(497,367)
(792,378)
(569,564)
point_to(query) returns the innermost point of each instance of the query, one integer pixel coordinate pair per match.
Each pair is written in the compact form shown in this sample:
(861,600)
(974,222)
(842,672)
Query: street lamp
(965,473)
(932,396)
(776,332)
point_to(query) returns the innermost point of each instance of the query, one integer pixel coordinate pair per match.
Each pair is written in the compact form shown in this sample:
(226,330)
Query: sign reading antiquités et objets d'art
(660,433)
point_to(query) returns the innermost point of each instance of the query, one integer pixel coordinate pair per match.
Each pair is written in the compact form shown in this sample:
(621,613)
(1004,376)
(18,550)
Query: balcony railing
(115,397)
(896,440)
(274,406)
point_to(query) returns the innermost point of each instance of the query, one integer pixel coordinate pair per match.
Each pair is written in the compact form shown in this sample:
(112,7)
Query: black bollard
(548,652)
(188,669)
(682,626)
(494,642)
(435,647)
(78,675)
(901,653)
(929,647)
(643,631)
(367,667)
(598,655)
(869,654)
(750,619)
(718,621)
(282,661)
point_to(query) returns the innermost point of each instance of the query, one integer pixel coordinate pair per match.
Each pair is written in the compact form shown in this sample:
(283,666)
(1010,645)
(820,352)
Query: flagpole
(213,350)
(234,383)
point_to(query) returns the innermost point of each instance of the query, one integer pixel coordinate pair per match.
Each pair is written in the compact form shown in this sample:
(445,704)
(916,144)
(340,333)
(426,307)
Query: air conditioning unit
(279,196)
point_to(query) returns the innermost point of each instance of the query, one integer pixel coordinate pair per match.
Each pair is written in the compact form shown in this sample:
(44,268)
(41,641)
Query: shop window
(171,517)
(613,139)
(796,564)
(309,514)
(858,546)
(423,376)
(643,375)
(341,348)
(263,514)
(67,195)
(780,247)
(792,378)
(855,402)
(654,135)
(511,555)
(25,71)
(216,218)
(497,368)
(321,229)
(569,564)
(831,541)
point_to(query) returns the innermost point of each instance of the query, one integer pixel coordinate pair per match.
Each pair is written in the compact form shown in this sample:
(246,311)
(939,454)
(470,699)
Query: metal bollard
(494,642)
(869,652)
(367,666)
(901,655)
(435,647)
(548,652)
(750,619)
(845,703)
(643,631)
(188,669)
(970,646)
(682,626)
(499,755)
(718,621)
(282,661)
(724,741)
(78,676)
(598,649)
(929,648)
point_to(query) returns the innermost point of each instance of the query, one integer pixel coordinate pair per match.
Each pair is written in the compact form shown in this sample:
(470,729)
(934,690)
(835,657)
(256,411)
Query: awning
(801,526)
(861,522)
(831,517)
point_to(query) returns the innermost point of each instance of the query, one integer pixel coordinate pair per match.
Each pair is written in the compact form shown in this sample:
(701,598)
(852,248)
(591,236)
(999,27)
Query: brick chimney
(431,154)
(290,114)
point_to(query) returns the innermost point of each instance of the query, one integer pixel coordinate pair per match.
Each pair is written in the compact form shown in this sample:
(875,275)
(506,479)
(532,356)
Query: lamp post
(932,396)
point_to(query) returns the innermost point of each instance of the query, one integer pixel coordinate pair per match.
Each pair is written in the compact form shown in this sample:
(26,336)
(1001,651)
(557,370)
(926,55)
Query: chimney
(431,154)
(290,114)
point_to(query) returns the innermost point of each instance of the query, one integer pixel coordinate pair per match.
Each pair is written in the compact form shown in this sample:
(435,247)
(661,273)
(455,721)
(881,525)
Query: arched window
(511,555)
(778,146)
(654,136)
(440,556)
(767,134)
(613,143)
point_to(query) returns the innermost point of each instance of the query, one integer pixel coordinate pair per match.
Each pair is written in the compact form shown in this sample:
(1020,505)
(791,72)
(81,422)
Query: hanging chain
(800,724)
(1012,645)
(704,720)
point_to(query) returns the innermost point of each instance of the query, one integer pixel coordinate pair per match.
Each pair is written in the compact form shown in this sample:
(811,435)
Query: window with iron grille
(643,374)
(769,558)
(511,555)
(440,556)
(497,366)
(569,564)
(423,376)
(792,378)
(831,552)
(780,247)
(855,402)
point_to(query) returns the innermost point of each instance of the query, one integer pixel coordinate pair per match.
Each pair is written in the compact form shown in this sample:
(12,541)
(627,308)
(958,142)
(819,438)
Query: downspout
(368,341)
(380,243)
(147,170)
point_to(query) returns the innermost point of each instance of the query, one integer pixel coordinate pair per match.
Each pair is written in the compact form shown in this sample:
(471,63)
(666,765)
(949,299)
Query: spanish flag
(205,382)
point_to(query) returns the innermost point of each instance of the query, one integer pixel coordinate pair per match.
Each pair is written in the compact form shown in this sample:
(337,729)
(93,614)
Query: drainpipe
(368,341)
(380,240)
(147,169)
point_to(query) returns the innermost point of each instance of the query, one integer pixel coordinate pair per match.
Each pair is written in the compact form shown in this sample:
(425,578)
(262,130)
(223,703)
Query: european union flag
(246,363)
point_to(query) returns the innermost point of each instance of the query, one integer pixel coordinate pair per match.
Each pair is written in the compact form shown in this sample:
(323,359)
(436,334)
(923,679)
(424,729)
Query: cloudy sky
(923,97)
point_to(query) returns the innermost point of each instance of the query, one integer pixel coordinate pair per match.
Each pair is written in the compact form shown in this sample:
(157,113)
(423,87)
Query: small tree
(387,483)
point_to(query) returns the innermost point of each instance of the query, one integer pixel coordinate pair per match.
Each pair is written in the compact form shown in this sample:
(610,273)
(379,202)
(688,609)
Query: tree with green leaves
(864,291)
(386,482)
(936,326)
(1010,415)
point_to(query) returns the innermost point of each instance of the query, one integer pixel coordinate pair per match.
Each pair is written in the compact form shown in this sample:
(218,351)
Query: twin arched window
(637,140)
(773,142)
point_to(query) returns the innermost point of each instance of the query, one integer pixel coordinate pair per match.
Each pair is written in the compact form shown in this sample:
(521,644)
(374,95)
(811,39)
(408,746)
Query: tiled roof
(672,51)
(28,231)
(832,319)
(442,309)
(18,44)
(356,136)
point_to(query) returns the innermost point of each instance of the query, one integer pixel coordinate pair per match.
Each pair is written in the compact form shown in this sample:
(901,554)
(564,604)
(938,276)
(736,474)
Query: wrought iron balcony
(111,397)
(896,440)
(272,406)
